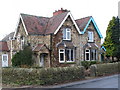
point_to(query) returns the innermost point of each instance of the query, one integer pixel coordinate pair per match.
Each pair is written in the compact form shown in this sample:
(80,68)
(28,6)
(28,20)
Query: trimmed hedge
(87,64)
(104,69)
(44,76)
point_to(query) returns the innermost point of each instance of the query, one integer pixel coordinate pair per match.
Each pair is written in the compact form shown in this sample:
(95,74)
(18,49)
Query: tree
(112,43)
(23,57)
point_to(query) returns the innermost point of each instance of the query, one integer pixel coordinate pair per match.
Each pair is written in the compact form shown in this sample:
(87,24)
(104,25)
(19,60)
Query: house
(56,41)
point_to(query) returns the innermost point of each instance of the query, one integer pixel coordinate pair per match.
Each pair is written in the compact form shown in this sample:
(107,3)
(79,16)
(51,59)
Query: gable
(95,26)
(84,23)
(20,22)
(65,18)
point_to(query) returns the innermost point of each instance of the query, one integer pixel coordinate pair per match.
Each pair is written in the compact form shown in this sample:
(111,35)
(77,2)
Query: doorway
(4,60)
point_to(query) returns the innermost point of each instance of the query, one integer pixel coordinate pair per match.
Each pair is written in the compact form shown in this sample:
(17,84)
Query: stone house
(56,41)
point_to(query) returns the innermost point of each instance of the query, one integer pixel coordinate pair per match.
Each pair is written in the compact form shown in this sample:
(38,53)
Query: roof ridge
(34,15)
(83,18)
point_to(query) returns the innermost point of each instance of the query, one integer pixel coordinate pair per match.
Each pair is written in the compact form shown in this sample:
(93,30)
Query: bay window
(70,55)
(61,55)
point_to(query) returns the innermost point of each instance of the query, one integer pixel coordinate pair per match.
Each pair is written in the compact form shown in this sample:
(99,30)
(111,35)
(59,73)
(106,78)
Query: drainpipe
(51,35)
(10,49)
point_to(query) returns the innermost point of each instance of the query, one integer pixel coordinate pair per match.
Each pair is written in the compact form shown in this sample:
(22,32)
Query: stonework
(51,41)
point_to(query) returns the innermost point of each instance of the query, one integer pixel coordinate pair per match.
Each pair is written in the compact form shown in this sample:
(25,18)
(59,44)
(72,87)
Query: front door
(42,57)
(4,60)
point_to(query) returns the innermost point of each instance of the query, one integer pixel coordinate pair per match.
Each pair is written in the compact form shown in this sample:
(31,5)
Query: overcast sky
(101,10)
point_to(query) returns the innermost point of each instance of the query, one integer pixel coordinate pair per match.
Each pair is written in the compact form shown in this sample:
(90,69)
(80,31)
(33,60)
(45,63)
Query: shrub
(23,58)
(87,64)
(43,76)
(104,69)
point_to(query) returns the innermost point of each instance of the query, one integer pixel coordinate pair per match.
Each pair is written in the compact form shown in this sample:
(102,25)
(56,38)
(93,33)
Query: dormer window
(66,34)
(90,36)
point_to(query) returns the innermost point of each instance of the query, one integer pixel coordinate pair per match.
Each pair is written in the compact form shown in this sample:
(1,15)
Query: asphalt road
(105,82)
(102,83)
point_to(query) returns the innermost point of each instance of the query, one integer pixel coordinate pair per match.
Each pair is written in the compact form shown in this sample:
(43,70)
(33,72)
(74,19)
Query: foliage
(87,64)
(104,69)
(43,76)
(23,58)
(112,42)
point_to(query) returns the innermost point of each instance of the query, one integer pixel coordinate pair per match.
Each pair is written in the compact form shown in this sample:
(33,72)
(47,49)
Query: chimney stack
(59,11)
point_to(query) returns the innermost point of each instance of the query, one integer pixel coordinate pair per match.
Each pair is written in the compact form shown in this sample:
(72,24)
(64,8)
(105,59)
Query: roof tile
(3,46)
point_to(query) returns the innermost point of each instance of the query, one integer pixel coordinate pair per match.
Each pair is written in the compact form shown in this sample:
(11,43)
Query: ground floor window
(61,55)
(66,55)
(70,55)
(93,54)
(90,54)
(87,54)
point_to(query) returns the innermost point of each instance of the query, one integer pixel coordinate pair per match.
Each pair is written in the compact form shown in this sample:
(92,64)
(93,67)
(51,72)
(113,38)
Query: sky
(101,10)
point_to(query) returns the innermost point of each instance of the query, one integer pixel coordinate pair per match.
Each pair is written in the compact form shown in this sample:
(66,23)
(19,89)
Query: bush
(104,69)
(87,64)
(43,76)
(23,58)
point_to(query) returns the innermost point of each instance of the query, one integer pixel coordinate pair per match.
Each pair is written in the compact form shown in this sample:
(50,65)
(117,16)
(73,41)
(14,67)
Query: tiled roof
(54,22)
(66,44)
(82,22)
(38,47)
(42,25)
(6,38)
(91,45)
(35,24)
(3,46)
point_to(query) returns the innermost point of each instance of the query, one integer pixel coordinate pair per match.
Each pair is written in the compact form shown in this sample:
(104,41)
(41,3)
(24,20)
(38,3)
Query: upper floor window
(66,34)
(90,36)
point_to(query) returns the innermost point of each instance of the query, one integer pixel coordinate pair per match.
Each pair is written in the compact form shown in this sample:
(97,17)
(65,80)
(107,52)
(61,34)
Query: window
(61,55)
(87,54)
(70,55)
(66,34)
(93,55)
(90,36)
(22,42)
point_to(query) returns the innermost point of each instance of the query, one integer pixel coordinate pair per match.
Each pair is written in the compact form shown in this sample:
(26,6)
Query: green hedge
(87,64)
(104,69)
(44,76)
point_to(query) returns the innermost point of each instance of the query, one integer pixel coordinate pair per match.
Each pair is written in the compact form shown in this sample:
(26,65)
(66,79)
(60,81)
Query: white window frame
(67,30)
(90,36)
(70,55)
(3,60)
(86,53)
(22,43)
(63,55)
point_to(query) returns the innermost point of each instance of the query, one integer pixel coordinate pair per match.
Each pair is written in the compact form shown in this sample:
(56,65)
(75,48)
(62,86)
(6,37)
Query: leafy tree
(23,58)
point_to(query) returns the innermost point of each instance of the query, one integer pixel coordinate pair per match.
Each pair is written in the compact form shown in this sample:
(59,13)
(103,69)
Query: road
(105,82)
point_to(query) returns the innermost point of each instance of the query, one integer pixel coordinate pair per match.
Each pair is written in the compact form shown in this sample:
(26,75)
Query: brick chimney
(60,11)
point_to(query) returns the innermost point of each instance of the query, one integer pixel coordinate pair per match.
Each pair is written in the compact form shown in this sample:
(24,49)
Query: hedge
(104,69)
(44,76)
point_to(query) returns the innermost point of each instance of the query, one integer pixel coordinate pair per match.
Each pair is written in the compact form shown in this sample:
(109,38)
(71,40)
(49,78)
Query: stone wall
(84,40)
(59,38)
